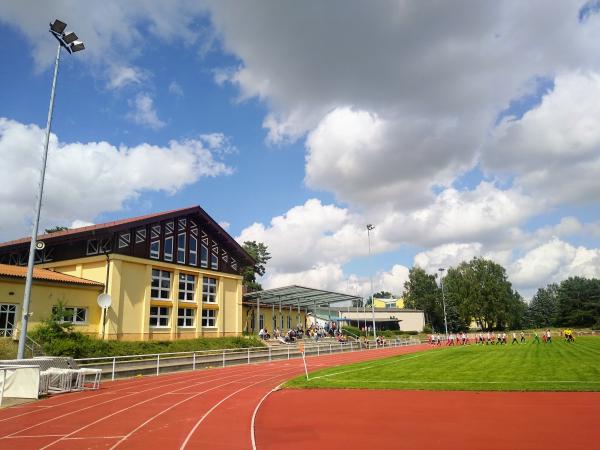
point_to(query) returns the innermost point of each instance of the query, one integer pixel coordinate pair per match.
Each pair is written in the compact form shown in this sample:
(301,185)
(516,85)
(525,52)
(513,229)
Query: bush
(427,329)
(352,330)
(59,339)
(8,348)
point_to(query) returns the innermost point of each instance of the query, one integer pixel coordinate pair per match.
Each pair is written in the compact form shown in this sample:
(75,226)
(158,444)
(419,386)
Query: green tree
(383,294)
(55,229)
(543,308)
(422,292)
(480,290)
(579,302)
(259,252)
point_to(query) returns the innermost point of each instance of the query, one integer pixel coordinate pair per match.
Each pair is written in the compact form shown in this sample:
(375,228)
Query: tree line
(479,290)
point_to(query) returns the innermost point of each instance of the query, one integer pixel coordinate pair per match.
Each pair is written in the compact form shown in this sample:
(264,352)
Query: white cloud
(144,113)
(80,224)
(306,235)
(554,261)
(121,76)
(554,148)
(366,159)
(85,179)
(332,277)
(175,89)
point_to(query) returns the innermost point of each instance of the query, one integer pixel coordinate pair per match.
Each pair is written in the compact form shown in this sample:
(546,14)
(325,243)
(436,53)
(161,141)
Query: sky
(457,129)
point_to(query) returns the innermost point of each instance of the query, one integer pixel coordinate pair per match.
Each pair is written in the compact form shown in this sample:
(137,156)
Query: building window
(169,228)
(289,322)
(140,235)
(161,284)
(203,256)
(193,258)
(281,322)
(168,249)
(159,316)
(92,247)
(261,322)
(76,315)
(8,314)
(209,318)
(124,239)
(214,262)
(274,321)
(155,249)
(209,290)
(187,285)
(181,248)
(185,317)
(155,232)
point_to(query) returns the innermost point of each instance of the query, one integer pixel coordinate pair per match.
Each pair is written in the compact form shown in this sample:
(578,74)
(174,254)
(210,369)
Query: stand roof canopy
(297,296)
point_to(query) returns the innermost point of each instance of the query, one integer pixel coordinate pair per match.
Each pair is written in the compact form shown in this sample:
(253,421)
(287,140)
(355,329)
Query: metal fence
(114,367)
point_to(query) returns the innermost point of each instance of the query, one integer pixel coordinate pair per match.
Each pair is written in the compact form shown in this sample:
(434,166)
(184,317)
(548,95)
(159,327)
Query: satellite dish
(104,300)
(40,245)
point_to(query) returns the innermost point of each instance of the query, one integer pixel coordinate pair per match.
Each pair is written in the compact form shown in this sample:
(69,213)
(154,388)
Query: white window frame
(207,284)
(189,287)
(188,317)
(155,254)
(204,256)
(160,314)
(181,250)
(168,256)
(209,316)
(214,261)
(159,276)
(193,256)
(8,309)
(74,319)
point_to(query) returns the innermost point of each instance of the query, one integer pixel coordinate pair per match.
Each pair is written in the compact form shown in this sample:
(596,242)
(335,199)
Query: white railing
(156,363)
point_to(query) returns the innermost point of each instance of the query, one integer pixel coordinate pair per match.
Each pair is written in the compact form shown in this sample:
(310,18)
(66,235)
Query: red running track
(344,419)
(210,408)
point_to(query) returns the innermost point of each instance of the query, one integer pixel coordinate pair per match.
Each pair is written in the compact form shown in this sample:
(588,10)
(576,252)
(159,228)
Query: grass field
(529,367)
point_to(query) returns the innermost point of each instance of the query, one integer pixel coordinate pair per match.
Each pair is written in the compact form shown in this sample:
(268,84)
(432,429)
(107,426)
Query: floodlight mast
(441,270)
(57,29)
(369,229)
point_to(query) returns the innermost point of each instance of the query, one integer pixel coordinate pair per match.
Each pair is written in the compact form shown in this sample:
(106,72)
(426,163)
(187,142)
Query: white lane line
(137,404)
(367,367)
(183,445)
(173,406)
(467,382)
(95,406)
(252,434)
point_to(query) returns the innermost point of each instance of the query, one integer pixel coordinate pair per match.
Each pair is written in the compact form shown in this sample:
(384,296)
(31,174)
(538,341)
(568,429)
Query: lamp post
(71,43)
(369,229)
(441,270)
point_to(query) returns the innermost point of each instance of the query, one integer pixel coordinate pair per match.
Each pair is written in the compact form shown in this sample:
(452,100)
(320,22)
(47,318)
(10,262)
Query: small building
(388,302)
(78,295)
(171,275)
(385,318)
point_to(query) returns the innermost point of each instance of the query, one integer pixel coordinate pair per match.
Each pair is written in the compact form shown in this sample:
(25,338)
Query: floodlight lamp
(70,37)
(58,26)
(77,46)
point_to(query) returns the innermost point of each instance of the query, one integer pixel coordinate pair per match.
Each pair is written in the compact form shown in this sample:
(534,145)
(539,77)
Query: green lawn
(529,367)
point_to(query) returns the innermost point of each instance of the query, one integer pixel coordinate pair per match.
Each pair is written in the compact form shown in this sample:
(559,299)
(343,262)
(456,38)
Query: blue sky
(298,125)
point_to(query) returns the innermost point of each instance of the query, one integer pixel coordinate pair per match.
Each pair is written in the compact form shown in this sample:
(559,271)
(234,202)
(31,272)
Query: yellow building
(49,288)
(170,275)
(388,302)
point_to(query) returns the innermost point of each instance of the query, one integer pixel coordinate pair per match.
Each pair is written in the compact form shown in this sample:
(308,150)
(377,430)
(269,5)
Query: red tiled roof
(94,227)
(45,275)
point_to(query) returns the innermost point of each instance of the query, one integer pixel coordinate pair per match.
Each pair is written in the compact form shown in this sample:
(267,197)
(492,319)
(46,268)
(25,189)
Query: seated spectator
(261,334)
